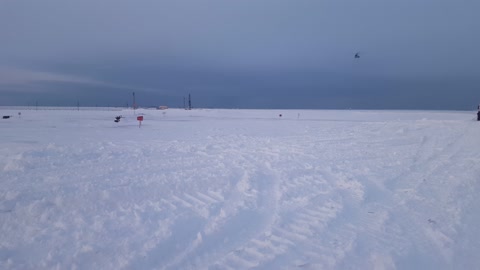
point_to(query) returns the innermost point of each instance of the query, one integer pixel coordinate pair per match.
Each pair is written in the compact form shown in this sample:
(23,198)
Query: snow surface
(239,189)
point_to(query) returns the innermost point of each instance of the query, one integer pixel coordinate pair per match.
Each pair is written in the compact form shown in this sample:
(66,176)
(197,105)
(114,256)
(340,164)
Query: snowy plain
(239,189)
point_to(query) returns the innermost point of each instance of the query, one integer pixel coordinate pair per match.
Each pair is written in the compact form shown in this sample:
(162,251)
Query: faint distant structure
(134,104)
(357,55)
(184,103)
(189,102)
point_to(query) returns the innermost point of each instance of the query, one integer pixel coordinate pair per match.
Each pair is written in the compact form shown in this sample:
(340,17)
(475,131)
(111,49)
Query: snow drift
(239,189)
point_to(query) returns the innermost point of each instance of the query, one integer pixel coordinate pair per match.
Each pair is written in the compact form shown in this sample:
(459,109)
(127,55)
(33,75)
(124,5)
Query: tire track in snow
(380,231)
(303,221)
(231,221)
(413,194)
(301,229)
(221,228)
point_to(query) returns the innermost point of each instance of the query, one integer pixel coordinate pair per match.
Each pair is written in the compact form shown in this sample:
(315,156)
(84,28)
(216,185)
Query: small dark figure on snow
(117,118)
(478,116)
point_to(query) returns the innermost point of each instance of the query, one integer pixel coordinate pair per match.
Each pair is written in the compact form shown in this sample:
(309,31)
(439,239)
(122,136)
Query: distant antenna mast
(134,104)
(189,102)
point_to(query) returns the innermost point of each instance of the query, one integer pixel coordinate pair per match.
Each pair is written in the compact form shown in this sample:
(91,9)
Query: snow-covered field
(240,189)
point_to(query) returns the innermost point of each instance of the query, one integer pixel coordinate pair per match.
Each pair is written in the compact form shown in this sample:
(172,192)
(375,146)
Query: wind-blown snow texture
(240,189)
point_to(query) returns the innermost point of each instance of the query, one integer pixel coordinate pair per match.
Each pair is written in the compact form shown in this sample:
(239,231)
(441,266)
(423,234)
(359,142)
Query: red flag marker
(140,119)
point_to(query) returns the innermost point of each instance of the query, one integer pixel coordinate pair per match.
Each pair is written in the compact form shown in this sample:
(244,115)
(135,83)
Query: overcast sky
(414,54)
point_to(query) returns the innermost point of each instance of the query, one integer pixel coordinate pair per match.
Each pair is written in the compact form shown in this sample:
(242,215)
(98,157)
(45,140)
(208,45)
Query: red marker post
(140,119)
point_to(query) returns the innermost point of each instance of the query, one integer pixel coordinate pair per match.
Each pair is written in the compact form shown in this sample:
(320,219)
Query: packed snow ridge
(239,189)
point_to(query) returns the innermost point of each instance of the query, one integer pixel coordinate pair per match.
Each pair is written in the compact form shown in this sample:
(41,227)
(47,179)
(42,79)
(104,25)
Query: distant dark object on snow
(117,118)
(357,55)
(6,116)
(478,116)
